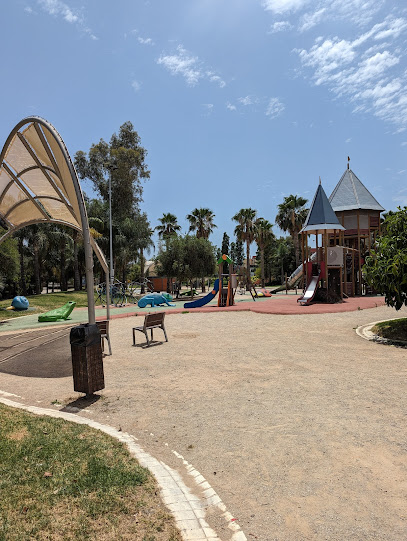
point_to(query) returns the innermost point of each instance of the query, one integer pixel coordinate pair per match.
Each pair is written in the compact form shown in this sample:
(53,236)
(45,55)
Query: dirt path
(296,422)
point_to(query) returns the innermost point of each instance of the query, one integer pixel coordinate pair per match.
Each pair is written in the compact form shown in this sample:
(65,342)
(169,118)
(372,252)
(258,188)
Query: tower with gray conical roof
(359,213)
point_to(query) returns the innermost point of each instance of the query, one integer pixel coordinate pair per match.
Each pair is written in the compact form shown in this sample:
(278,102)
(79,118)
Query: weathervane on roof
(320,180)
(348,161)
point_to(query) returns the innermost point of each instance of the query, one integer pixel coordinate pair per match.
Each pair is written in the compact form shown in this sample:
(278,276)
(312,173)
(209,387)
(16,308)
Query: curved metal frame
(81,204)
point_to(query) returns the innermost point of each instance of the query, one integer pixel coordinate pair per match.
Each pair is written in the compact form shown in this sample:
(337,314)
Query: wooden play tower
(227,282)
(359,213)
(322,265)
(345,229)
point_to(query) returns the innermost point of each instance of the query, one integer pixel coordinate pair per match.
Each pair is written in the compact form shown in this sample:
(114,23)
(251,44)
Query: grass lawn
(396,329)
(63,481)
(44,303)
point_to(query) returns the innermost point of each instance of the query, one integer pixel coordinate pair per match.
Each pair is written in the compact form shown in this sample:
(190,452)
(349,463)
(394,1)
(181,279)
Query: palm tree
(244,231)
(262,236)
(291,216)
(201,221)
(168,227)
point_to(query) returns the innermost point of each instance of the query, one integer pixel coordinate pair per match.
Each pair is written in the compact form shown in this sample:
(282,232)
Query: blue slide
(204,300)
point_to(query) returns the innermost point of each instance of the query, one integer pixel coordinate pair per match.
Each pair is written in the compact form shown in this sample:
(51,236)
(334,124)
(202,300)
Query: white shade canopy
(38,182)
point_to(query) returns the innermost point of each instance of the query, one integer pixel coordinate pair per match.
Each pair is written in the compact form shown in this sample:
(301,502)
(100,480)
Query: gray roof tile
(351,194)
(321,215)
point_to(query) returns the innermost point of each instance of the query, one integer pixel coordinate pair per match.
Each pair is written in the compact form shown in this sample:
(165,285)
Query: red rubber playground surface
(281,305)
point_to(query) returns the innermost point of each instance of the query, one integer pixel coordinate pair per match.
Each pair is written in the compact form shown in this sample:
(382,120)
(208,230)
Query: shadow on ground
(37,354)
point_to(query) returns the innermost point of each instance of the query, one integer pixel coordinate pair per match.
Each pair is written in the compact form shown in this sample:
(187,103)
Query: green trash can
(87,358)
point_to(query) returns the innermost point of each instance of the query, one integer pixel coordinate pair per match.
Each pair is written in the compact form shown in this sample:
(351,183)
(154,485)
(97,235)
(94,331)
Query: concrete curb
(365,331)
(188,509)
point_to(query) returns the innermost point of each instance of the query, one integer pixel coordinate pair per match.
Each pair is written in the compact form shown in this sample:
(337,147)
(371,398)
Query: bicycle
(117,293)
(134,289)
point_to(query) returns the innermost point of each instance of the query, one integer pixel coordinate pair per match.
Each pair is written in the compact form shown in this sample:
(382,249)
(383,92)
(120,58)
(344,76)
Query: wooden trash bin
(87,359)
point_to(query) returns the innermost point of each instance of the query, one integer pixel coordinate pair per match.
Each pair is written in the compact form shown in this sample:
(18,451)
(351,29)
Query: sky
(239,103)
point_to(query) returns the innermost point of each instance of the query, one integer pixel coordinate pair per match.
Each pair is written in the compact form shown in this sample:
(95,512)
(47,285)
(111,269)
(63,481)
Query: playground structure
(226,294)
(155,299)
(359,213)
(345,228)
(59,313)
(225,285)
(321,221)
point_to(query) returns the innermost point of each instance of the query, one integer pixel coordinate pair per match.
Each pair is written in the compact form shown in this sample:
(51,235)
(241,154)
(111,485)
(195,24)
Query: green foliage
(123,160)
(395,329)
(239,257)
(290,217)
(9,262)
(244,231)
(386,266)
(225,244)
(201,221)
(186,258)
(168,227)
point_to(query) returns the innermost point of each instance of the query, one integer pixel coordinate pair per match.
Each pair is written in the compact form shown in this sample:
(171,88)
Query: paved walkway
(277,304)
(297,423)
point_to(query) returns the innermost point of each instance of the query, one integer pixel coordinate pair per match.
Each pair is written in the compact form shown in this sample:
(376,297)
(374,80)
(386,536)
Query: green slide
(59,313)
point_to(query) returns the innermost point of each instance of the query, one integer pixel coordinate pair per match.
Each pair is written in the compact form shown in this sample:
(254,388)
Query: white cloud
(274,108)
(360,71)
(188,66)
(307,14)
(183,64)
(136,85)
(404,144)
(232,107)
(145,41)
(28,9)
(401,172)
(280,26)
(284,6)
(310,20)
(57,8)
(215,79)
(348,140)
(247,100)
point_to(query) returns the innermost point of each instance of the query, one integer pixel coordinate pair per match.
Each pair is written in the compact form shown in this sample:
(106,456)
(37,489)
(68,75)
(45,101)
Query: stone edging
(365,331)
(188,509)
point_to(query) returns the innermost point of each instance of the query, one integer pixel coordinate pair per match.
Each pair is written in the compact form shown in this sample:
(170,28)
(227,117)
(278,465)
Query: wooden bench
(151,321)
(103,327)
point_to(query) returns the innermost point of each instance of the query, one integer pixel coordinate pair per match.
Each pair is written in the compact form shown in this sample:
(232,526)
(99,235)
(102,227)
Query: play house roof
(321,216)
(224,259)
(351,194)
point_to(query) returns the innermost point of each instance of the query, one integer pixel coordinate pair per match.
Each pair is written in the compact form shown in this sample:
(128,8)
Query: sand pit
(296,422)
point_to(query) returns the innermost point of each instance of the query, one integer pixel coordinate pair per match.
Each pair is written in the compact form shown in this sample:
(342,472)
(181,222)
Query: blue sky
(238,102)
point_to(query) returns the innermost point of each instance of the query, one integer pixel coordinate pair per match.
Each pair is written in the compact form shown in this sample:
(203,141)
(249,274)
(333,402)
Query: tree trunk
(297,248)
(23,285)
(248,265)
(142,290)
(62,251)
(37,275)
(203,284)
(262,266)
(76,278)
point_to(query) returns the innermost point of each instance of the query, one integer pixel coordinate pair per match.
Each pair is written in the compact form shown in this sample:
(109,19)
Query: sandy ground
(296,422)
